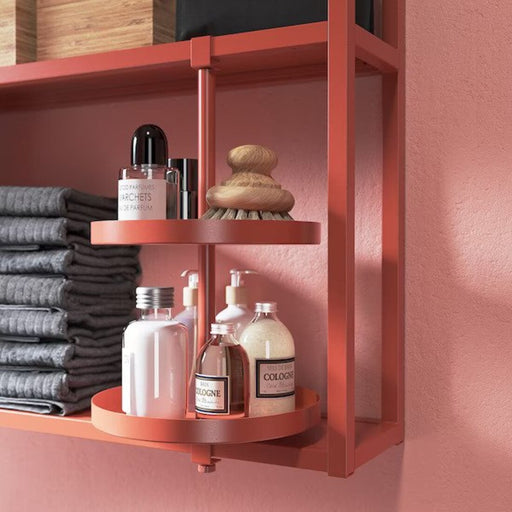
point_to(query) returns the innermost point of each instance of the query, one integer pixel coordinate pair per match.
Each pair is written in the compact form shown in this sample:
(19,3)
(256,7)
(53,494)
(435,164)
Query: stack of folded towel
(63,303)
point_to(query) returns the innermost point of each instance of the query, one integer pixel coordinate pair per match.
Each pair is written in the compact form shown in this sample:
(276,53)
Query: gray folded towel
(56,385)
(105,368)
(60,292)
(60,324)
(57,407)
(55,202)
(40,231)
(105,338)
(57,355)
(70,263)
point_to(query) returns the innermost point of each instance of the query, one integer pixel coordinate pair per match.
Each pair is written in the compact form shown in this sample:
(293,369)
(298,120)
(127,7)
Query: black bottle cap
(149,145)
(188,172)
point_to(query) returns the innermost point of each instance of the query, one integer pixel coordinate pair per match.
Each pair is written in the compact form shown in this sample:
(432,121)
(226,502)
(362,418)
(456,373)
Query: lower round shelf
(106,415)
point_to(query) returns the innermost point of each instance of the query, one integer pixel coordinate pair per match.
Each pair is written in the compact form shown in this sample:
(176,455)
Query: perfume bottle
(222,376)
(271,351)
(154,375)
(148,189)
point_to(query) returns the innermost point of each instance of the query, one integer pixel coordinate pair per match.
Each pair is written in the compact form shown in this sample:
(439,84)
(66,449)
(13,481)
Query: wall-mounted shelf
(139,232)
(106,415)
(337,50)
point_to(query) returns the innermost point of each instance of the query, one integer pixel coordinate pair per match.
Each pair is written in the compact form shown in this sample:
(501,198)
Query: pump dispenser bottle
(222,376)
(236,311)
(154,358)
(188,317)
(148,190)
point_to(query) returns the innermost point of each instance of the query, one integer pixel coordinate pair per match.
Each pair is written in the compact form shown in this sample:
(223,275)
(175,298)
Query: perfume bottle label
(141,199)
(275,377)
(212,394)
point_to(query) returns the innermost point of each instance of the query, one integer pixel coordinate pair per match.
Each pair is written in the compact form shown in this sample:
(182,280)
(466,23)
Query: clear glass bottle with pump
(148,189)
(222,376)
(271,352)
(154,375)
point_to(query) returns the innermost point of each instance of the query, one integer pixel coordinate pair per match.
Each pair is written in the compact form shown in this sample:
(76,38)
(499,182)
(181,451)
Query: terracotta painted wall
(458,451)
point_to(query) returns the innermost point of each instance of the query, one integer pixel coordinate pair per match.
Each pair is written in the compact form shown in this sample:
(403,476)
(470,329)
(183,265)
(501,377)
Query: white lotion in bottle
(154,358)
(188,317)
(236,312)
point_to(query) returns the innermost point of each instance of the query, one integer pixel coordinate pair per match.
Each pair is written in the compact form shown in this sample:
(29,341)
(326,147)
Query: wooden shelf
(106,415)
(308,450)
(286,53)
(140,232)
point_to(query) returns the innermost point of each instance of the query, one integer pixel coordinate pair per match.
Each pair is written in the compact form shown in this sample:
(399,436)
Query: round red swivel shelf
(106,415)
(137,232)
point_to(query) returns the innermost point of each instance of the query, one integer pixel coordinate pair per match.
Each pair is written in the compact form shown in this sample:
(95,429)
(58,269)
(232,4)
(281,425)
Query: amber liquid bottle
(222,376)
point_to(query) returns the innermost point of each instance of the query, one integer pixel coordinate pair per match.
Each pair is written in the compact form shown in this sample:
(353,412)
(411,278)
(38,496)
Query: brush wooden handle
(250,198)
(252,158)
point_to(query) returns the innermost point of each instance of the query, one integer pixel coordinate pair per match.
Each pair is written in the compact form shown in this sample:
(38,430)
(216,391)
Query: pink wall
(458,450)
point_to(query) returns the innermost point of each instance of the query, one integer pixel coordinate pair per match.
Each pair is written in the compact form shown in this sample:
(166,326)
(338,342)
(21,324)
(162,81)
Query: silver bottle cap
(222,329)
(265,307)
(149,297)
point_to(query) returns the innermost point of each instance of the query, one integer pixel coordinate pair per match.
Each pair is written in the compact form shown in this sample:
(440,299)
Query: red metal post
(393,213)
(200,59)
(341,165)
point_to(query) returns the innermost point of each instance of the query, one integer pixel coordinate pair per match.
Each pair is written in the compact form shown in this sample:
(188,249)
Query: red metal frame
(342,442)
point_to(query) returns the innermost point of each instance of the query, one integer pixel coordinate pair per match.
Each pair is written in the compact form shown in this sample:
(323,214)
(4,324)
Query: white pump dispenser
(236,312)
(188,317)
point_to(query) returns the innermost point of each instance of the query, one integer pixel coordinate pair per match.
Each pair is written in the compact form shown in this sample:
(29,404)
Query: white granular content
(270,342)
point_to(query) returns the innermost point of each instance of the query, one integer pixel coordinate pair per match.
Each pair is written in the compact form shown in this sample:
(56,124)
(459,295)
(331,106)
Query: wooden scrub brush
(251,192)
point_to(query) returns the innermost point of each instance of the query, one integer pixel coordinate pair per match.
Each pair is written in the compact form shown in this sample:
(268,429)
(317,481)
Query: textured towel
(56,385)
(47,406)
(55,202)
(38,231)
(57,355)
(60,325)
(70,263)
(59,292)
(105,368)
(106,338)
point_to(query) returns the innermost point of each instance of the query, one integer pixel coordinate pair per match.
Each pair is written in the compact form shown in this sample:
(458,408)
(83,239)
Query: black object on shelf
(204,17)
(187,168)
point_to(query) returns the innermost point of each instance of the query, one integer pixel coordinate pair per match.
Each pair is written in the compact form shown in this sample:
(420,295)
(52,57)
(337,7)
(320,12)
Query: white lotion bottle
(154,375)
(236,311)
(188,317)
(271,351)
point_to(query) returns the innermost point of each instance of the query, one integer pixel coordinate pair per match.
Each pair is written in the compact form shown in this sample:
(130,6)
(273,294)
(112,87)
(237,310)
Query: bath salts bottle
(271,351)
(155,358)
(222,376)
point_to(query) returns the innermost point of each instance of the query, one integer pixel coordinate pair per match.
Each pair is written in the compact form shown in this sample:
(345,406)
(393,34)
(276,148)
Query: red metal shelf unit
(341,443)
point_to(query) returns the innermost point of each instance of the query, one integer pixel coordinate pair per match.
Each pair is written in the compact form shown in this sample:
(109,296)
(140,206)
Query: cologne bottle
(271,352)
(222,376)
(154,375)
(148,189)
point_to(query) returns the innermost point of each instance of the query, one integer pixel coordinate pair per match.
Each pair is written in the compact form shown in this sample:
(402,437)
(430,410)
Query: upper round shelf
(139,232)
(106,415)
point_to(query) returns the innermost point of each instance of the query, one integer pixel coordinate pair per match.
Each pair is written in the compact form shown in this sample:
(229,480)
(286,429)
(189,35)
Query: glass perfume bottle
(222,376)
(271,351)
(154,374)
(148,189)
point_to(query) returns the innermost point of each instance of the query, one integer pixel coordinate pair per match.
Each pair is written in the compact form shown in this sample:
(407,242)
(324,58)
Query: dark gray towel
(106,338)
(57,355)
(39,231)
(60,292)
(60,408)
(55,202)
(70,263)
(56,385)
(60,325)
(105,368)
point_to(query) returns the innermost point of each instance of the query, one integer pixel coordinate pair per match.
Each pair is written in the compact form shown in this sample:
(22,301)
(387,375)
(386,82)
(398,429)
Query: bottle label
(275,377)
(212,394)
(141,199)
